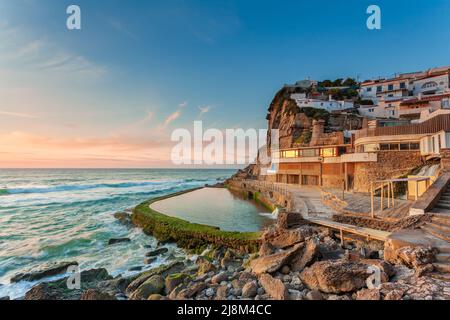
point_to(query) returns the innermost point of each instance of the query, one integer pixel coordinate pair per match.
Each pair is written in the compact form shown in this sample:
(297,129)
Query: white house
(432,84)
(330,105)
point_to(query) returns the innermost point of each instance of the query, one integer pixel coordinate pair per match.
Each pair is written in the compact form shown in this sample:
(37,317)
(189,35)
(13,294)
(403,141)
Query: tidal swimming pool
(217,207)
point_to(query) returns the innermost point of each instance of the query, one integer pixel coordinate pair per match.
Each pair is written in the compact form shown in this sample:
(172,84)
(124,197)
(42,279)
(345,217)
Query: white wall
(441,84)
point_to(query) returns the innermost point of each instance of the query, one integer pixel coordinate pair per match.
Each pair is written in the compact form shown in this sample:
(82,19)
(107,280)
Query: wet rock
(155,297)
(157,252)
(174,280)
(368,294)
(115,286)
(274,262)
(58,290)
(335,276)
(314,295)
(136,268)
(163,271)
(306,257)
(43,272)
(275,288)
(123,218)
(5,298)
(250,290)
(118,240)
(217,279)
(153,285)
(150,260)
(93,294)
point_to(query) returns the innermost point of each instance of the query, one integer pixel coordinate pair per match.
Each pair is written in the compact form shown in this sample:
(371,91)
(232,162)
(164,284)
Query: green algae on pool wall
(189,235)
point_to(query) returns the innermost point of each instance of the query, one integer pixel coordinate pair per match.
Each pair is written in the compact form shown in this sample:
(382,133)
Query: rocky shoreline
(295,261)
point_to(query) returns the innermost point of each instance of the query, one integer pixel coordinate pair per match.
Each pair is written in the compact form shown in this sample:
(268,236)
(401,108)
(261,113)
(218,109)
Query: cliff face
(296,125)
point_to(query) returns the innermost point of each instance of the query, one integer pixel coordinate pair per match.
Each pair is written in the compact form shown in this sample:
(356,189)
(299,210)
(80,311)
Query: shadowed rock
(46,271)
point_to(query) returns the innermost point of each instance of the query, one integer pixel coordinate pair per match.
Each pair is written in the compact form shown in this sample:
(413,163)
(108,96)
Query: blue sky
(138,69)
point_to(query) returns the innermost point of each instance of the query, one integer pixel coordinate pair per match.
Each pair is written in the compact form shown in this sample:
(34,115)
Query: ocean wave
(119,185)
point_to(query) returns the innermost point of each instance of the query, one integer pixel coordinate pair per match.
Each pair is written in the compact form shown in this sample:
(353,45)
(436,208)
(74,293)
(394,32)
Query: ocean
(55,215)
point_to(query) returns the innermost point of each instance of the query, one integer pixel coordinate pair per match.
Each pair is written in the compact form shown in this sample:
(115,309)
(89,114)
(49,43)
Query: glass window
(391,87)
(309,153)
(379,88)
(384,146)
(404,146)
(414,146)
(393,146)
(369,89)
(291,154)
(402,85)
(328,152)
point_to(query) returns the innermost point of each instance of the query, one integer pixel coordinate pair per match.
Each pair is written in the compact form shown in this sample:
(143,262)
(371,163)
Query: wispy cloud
(20,52)
(204,110)
(18,115)
(172,117)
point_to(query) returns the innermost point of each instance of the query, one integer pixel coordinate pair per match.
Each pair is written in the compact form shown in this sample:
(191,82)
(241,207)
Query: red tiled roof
(426,99)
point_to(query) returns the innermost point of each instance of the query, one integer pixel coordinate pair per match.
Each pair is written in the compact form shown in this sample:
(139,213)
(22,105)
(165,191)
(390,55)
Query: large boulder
(284,238)
(118,240)
(187,291)
(163,271)
(154,285)
(416,257)
(250,290)
(204,265)
(274,262)
(338,276)
(57,290)
(275,288)
(174,280)
(306,257)
(44,271)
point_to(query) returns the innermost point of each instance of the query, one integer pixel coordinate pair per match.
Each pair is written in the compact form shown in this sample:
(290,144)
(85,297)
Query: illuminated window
(328,152)
(291,154)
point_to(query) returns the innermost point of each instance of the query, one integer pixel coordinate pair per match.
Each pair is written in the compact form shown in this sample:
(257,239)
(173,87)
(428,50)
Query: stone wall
(445,159)
(390,164)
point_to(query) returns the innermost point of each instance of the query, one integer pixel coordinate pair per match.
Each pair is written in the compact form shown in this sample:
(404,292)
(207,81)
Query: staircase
(443,206)
(439,227)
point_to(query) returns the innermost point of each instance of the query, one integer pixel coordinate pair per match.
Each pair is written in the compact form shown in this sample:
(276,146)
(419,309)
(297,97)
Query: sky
(110,95)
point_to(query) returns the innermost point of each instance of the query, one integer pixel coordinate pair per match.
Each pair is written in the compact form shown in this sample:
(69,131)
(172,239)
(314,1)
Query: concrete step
(443,249)
(442,267)
(440,276)
(441,205)
(443,257)
(444,197)
(435,232)
(444,228)
(444,201)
